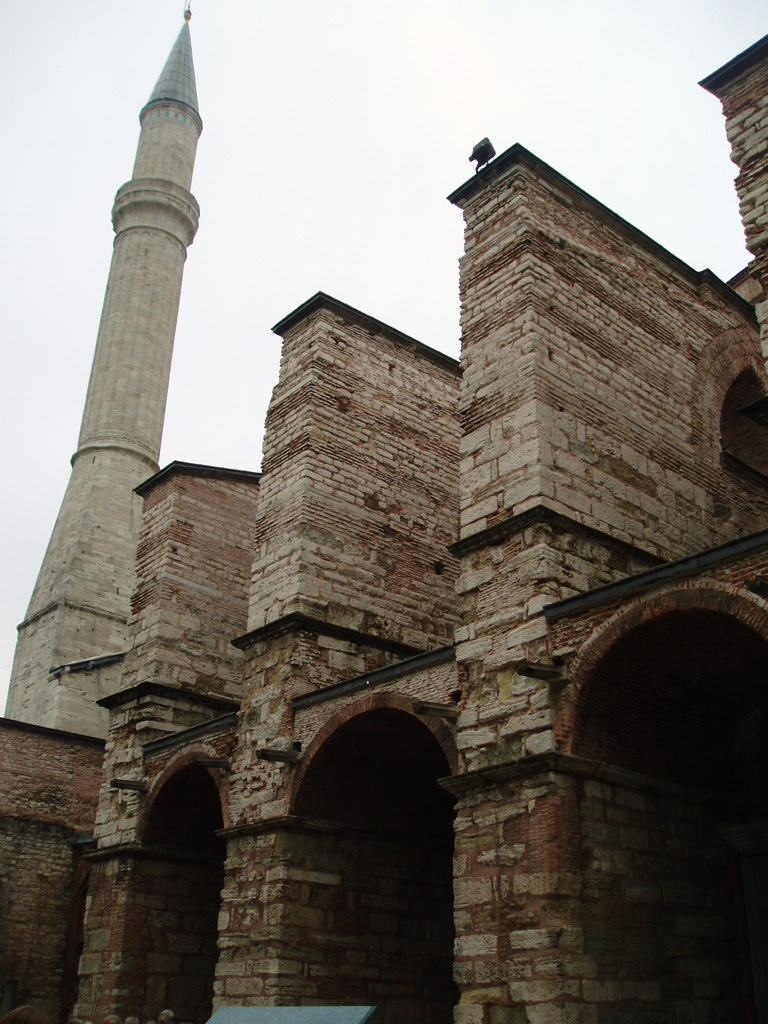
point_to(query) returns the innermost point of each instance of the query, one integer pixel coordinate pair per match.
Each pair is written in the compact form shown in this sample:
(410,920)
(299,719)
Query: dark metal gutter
(192,733)
(196,470)
(682,567)
(382,675)
(736,66)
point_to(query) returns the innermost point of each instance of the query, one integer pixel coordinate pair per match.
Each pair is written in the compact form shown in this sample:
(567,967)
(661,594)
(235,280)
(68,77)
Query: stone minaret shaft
(81,601)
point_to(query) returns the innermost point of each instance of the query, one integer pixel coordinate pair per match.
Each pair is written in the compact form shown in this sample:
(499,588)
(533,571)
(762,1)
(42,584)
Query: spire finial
(187,10)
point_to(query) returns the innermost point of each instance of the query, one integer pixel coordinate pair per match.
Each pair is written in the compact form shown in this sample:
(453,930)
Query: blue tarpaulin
(293,1015)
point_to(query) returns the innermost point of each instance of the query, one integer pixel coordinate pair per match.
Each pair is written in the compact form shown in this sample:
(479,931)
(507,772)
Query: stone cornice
(54,734)
(499,532)
(298,622)
(419,663)
(690,565)
(148,851)
(558,763)
(132,694)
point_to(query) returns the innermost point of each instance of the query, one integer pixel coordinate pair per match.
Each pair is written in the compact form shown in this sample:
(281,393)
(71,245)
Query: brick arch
(696,596)
(217,776)
(374,702)
(724,359)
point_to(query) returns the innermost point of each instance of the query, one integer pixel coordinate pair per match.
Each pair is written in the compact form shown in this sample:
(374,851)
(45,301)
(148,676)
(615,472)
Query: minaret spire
(81,601)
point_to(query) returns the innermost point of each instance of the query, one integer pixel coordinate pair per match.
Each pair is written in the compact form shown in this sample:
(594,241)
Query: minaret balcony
(155,204)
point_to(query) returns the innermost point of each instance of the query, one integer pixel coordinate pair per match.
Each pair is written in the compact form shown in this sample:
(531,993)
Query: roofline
(177,468)
(321,300)
(735,67)
(519,155)
(59,734)
(297,621)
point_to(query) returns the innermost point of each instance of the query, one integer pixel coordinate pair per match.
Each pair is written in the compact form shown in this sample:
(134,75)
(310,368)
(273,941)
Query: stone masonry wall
(49,785)
(661,909)
(168,143)
(151,914)
(596,366)
(339,895)
(150,938)
(591,899)
(339,919)
(139,717)
(743,91)
(508,712)
(358,497)
(262,789)
(584,346)
(518,953)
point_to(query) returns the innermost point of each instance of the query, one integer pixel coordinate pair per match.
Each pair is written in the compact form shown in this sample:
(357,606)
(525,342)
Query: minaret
(81,601)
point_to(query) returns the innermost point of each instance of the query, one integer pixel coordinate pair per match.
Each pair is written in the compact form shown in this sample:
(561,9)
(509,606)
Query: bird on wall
(483,153)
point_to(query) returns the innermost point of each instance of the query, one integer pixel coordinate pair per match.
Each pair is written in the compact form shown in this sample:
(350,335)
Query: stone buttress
(595,370)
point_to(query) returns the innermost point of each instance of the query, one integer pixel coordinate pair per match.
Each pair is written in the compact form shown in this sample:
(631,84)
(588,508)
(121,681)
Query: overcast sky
(332,133)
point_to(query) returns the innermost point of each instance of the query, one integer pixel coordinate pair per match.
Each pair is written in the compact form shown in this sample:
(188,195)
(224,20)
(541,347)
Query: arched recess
(178,884)
(671,706)
(725,359)
(381,827)
(744,422)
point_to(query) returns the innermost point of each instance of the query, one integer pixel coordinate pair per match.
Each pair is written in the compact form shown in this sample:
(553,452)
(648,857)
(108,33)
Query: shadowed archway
(387,837)
(675,711)
(179,884)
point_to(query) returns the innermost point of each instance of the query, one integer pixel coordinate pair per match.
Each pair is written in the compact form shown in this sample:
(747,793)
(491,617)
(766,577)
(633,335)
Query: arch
(374,828)
(394,701)
(176,888)
(742,434)
(668,711)
(712,596)
(723,360)
(185,761)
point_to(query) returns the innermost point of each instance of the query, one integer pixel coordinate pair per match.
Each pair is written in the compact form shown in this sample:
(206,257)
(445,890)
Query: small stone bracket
(542,670)
(210,762)
(129,784)
(425,707)
(758,585)
(273,754)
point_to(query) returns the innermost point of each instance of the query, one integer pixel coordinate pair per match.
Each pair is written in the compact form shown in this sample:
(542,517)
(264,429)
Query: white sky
(333,132)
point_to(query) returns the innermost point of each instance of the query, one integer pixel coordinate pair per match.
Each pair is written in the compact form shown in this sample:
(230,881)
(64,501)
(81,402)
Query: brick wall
(193,567)
(341,919)
(49,785)
(358,502)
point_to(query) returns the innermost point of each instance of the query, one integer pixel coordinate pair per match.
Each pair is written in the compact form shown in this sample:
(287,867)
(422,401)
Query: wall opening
(179,895)
(744,424)
(385,936)
(681,701)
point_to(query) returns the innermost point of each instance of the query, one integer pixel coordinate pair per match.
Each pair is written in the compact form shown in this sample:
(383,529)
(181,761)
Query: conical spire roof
(177,79)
